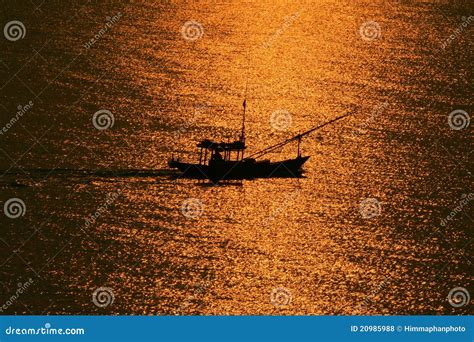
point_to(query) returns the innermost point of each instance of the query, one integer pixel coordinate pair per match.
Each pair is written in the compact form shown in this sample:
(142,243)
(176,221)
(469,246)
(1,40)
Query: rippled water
(275,246)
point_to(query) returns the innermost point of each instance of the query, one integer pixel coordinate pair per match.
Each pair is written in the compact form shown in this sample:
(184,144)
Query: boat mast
(244,104)
(242,134)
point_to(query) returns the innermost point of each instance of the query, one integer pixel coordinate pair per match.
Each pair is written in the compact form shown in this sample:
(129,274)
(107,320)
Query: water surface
(278,246)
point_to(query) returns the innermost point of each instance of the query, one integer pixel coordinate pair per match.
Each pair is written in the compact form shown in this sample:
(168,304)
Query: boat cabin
(211,150)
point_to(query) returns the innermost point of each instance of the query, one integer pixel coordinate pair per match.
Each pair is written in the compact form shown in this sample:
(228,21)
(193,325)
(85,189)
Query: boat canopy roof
(221,146)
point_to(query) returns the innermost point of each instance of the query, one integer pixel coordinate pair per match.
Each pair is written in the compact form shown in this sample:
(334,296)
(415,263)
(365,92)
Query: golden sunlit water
(360,233)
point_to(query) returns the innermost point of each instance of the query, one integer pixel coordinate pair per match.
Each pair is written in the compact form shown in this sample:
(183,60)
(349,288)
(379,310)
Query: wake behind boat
(224,161)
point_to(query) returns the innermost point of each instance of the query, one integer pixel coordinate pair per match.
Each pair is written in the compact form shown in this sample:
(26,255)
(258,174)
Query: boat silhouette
(226,160)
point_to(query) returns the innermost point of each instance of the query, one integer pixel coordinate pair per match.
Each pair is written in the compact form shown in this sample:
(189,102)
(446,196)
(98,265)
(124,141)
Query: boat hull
(242,169)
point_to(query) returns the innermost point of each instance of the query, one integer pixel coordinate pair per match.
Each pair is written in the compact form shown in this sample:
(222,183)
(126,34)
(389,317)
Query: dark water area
(381,222)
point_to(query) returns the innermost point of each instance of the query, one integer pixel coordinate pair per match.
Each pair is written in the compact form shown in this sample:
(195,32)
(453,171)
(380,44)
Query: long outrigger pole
(297,137)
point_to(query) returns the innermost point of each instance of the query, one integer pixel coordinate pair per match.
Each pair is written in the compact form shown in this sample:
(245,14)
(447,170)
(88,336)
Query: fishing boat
(226,160)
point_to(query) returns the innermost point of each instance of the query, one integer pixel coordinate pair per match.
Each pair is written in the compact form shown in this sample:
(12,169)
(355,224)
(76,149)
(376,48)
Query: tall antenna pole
(244,104)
